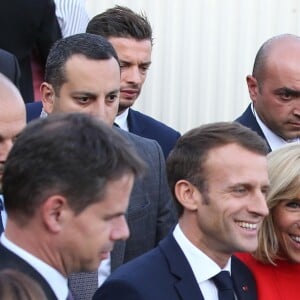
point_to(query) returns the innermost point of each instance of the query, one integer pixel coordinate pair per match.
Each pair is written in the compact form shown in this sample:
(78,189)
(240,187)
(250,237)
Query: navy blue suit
(33,110)
(145,126)
(248,120)
(165,274)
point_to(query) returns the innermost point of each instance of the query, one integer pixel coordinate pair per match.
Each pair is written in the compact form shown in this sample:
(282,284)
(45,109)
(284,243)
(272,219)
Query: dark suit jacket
(165,274)
(25,25)
(33,110)
(9,67)
(247,119)
(9,260)
(145,126)
(151,213)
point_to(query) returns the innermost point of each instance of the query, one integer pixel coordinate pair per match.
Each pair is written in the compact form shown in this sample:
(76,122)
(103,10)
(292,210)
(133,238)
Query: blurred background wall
(203,50)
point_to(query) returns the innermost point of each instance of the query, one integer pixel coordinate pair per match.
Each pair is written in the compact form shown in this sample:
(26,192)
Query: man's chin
(124,104)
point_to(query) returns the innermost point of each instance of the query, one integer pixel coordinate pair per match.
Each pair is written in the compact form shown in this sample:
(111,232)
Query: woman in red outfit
(276,263)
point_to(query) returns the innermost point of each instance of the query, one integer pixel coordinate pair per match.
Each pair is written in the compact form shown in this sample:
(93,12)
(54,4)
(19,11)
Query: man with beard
(131,36)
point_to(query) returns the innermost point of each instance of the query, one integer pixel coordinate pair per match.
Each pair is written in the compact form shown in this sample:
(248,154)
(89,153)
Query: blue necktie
(224,285)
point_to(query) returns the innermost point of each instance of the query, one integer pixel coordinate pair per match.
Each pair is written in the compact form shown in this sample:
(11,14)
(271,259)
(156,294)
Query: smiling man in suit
(218,175)
(83,75)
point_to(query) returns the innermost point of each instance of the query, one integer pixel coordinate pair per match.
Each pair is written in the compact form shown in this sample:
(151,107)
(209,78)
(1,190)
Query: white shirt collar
(3,213)
(202,266)
(274,140)
(56,280)
(197,258)
(121,120)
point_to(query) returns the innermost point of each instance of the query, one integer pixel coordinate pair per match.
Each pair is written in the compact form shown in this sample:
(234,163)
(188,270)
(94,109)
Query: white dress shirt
(3,212)
(274,140)
(203,267)
(121,120)
(56,280)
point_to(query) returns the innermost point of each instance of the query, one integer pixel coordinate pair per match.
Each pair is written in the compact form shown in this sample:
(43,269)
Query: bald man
(12,121)
(274,88)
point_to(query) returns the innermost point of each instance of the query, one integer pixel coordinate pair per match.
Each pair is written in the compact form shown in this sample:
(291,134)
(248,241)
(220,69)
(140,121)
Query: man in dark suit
(66,197)
(34,110)
(24,26)
(9,67)
(218,175)
(131,36)
(275,92)
(12,122)
(83,75)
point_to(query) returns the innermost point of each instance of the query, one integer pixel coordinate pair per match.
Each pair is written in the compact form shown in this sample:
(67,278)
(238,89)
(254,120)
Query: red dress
(278,282)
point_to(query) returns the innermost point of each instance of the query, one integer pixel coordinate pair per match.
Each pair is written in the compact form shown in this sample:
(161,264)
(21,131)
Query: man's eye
(286,96)
(239,190)
(122,66)
(84,99)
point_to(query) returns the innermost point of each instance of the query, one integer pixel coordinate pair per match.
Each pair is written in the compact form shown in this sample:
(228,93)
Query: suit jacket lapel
(185,282)
(134,125)
(244,283)
(10,260)
(247,119)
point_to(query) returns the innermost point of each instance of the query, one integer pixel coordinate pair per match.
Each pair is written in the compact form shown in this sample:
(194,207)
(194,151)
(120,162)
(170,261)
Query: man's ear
(187,194)
(54,212)
(253,87)
(48,97)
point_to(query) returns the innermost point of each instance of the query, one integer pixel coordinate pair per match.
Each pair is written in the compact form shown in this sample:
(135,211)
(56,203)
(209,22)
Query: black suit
(9,67)
(248,120)
(9,260)
(25,25)
(165,274)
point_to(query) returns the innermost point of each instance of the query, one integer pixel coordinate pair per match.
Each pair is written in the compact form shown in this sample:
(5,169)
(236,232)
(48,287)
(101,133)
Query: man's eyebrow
(147,63)
(114,215)
(286,90)
(85,93)
(114,91)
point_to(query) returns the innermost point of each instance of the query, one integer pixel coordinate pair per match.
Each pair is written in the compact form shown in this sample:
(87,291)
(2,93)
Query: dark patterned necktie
(224,285)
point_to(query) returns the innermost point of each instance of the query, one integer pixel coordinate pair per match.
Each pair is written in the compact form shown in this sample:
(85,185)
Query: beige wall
(203,51)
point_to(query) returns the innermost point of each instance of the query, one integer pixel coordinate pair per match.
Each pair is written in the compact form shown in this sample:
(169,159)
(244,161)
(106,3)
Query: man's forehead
(82,68)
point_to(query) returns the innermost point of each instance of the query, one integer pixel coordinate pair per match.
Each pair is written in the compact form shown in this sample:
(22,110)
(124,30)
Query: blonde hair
(15,285)
(284,175)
